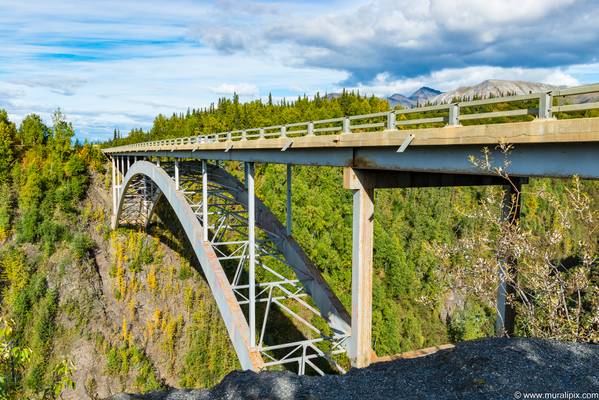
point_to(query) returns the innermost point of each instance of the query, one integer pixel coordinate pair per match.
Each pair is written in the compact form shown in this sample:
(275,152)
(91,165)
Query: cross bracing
(276,288)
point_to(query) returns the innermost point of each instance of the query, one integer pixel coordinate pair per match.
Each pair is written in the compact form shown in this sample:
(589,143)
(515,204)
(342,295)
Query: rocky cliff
(483,369)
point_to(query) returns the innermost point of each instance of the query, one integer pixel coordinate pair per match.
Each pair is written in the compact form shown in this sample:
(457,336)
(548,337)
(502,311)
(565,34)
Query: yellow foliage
(152,282)
(14,271)
(132,305)
(157,317)
(164,322)
(149,328)
(168,288)
(134,283)
(188,297)
(124,330)
(170,329)
(120,279)
(172,271)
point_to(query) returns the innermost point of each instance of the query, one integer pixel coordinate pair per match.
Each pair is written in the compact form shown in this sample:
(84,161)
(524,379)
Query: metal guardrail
(453,113)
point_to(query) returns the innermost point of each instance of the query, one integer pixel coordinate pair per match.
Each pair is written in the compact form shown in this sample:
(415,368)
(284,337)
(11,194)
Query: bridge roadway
(382,150)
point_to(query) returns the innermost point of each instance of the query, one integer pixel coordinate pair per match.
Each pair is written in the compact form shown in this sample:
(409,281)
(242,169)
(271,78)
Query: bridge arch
(145,182)
(235,322)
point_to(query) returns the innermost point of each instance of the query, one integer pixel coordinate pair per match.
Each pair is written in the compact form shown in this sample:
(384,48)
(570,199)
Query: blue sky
(117,64)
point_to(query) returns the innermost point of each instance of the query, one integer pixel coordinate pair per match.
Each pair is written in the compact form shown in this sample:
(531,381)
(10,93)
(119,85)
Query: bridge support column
(205,221)
(177,174)
(252,251)
(288,226)
(362,244)
(121,176)
(114,196)
(506,314)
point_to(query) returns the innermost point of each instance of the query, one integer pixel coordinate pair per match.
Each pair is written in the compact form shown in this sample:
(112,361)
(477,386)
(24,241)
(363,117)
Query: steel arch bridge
(249,260)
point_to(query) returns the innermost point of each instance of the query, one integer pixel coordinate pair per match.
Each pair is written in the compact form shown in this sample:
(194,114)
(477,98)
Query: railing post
(244,135)
(454,115)
(346,125)
(252,253)
(283,131)
(177,174)
(288,200)
(261,133)
(310,129)
(391,120)
(205,221)
(545,105)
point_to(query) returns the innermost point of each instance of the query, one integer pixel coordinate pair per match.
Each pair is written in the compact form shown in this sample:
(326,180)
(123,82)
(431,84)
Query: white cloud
(476,14)
(452,78)
(407,38)
(242,89)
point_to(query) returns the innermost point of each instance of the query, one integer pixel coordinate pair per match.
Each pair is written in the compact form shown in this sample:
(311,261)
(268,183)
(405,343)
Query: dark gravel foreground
(482,369)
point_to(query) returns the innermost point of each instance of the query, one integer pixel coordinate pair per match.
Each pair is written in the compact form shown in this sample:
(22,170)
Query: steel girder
(285,277)
(559,160)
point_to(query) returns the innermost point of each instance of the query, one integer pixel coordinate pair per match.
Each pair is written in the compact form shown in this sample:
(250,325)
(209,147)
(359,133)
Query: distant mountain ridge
(484,89)
(493,87)
(419,97)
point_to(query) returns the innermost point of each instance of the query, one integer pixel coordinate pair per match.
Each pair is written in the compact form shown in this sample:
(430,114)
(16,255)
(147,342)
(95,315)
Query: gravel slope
(483,369)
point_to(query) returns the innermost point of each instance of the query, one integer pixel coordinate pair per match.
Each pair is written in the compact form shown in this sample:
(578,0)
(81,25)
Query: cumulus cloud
(408,39)
(446,79)
(242,89)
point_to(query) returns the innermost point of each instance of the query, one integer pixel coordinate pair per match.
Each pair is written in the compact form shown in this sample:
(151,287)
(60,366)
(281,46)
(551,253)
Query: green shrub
(82,245)
(472,322)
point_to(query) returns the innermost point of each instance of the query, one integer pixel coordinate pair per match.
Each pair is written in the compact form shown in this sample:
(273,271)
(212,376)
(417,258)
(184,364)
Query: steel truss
(277,288)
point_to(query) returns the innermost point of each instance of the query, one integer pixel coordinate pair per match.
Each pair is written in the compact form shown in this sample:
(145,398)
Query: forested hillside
(43,178)
(128,311)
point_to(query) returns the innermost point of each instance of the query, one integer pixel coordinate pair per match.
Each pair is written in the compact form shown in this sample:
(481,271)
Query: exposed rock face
(493,87)
(483,369)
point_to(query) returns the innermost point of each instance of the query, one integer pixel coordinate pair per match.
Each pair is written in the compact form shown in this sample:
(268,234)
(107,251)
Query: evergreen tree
(5,209)
(8,133)
(32,131)
(62,133)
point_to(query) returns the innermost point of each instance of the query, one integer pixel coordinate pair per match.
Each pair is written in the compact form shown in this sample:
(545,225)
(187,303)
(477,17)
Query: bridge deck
(537,131)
